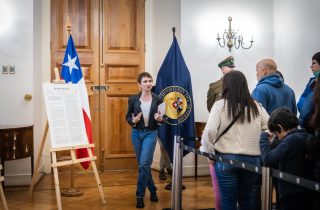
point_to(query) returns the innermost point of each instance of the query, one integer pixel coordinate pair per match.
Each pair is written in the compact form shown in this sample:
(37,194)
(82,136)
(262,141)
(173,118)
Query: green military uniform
(214,93)
(215,89)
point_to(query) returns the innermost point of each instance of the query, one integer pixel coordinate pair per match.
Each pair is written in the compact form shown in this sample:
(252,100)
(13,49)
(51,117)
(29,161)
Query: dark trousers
(256,193)
(297,202)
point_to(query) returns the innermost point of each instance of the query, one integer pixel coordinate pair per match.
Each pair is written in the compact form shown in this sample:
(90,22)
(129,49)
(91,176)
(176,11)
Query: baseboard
(187,171)
(21,179)
(17,180)
(203,170)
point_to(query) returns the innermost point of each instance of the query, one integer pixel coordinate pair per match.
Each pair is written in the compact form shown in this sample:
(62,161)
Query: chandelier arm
(235,43)
(247,47)
(224,38)
(225,35)
(224,42)
(237,39)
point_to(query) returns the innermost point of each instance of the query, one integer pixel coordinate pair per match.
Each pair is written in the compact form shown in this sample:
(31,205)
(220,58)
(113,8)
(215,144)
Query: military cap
(229,61)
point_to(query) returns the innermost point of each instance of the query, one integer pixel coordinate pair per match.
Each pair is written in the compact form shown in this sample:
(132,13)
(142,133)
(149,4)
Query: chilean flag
(71,72)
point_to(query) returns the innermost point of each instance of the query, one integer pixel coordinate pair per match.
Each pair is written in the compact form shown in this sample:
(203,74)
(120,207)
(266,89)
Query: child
(291,155)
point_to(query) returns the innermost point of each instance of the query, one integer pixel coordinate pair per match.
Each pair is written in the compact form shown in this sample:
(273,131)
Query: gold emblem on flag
(178,104)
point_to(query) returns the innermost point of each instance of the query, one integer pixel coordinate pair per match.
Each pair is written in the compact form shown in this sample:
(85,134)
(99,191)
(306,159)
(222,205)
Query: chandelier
(232,39)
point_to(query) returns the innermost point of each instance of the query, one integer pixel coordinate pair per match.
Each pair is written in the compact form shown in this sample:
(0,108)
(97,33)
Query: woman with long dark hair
(239,142)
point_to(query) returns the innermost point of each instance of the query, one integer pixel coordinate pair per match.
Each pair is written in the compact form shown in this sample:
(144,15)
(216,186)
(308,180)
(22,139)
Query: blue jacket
(272,93)
(291,155)
(305,104)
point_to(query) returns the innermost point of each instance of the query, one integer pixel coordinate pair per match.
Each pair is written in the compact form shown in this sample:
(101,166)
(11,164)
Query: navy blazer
(134,107)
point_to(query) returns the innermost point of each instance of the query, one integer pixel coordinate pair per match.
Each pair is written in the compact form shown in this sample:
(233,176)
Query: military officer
(215,89)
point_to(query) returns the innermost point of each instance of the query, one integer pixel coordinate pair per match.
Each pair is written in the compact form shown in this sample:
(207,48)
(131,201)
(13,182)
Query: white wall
(25,44)
(161,16)
(200,23)
(42,66)
(296,32)
(16,49)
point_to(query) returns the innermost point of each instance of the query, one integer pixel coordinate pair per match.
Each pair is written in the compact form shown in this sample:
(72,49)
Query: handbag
(229,126)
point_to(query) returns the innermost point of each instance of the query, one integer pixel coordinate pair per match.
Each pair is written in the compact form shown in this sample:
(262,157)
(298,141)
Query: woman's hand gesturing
(158,117)
(137,118)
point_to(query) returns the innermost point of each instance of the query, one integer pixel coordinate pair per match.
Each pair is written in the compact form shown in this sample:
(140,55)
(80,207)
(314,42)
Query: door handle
(99,87)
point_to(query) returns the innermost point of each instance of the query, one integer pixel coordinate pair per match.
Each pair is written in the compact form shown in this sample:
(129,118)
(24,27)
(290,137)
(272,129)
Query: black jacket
(291,155)
(134,107)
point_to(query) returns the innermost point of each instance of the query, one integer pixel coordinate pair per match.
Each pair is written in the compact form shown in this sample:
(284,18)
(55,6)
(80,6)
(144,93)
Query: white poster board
(65,118)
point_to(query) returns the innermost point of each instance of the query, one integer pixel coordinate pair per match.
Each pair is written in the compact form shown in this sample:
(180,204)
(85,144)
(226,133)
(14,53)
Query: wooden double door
(109,38)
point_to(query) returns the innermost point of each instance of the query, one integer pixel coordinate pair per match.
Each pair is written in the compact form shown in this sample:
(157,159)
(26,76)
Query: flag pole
(68,26)
(72,191)
(177,127)
(176,182)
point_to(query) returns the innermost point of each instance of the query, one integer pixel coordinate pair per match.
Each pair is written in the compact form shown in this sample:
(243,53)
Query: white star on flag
(71,63)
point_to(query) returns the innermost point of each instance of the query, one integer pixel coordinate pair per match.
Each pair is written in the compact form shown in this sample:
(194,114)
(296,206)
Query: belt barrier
(303,182)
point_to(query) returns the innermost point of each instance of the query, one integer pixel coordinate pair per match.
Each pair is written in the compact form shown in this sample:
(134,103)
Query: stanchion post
(266,189)
(176,190)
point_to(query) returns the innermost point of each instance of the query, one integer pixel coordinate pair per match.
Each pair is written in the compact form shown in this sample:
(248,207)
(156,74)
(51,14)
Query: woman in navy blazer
(144,118)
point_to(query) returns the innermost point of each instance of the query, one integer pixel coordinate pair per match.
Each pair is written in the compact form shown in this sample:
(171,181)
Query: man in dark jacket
(291,155)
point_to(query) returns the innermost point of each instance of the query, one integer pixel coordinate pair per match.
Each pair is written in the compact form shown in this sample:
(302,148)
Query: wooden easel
(55,164)
(74,160)
(3,198)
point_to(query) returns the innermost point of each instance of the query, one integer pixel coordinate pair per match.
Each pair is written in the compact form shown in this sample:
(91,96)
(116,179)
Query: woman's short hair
(283,117)
(143,74)
(316,57)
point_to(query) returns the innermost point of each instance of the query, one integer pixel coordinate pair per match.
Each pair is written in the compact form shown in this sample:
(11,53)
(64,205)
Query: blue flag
(174,86)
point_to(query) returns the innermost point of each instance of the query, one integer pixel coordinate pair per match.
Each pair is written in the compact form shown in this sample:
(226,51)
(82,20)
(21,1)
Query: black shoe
(162,175)
(154,197)
(169,170)
(140,203)
(169,186)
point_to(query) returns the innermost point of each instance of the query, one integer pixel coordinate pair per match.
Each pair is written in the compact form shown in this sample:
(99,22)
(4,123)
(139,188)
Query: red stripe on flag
(83,153)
